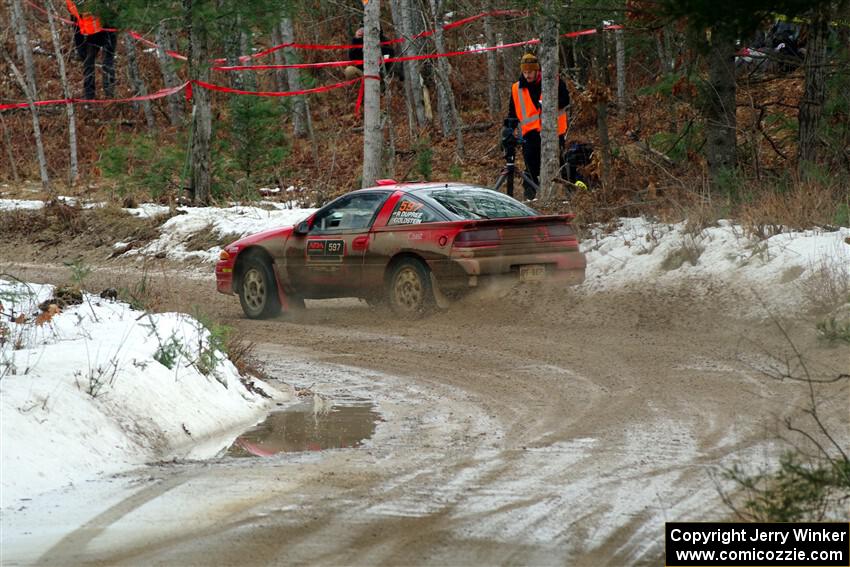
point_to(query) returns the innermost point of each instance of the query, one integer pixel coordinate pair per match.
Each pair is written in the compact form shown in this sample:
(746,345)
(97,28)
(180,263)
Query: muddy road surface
(542,427)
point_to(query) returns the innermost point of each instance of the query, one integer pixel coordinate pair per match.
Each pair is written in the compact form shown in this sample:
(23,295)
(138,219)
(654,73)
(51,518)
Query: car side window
(351,213)
(412,211)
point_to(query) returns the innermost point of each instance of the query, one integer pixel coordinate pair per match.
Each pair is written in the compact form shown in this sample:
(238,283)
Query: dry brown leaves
(47,315)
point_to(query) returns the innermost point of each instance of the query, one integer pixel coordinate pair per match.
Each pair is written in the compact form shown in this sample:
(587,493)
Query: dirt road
(541,428)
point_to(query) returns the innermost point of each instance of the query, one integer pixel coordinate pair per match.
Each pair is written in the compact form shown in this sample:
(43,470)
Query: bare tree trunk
(23,43)
(15,23)
(139,87)
(441,72)
(549,158)
(280,82)
(7,141)
(372,135)
(165,42)
(36,126)
(492,72)
(602,106)
(410,103)
(720,118)
(664,46)
(510,63)
(300,111)
(621,69)
(411,19)
(449,117)
(814,96)
(389,153)
(249,78)
(199,70)
(74,169)
(232,49)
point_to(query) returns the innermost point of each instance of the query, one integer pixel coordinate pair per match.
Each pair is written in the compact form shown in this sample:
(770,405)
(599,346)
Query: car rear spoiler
(520,221)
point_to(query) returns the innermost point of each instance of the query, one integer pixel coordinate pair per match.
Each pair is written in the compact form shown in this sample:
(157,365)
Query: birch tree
(549,154)
(74,169)
(36,126)
(23,45)
(15,23)
(408,83)
(411,18)
(619,36)
(300,109)
(372,138)
(280,82)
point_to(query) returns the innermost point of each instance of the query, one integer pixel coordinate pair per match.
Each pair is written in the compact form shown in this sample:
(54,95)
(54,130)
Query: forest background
(684,120)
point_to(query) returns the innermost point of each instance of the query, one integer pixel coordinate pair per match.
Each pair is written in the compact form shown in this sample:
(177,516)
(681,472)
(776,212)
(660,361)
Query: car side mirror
(302,228)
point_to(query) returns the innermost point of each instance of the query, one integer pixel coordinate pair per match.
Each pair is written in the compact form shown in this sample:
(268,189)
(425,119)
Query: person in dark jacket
(356,54)
(524,110)
(90,38)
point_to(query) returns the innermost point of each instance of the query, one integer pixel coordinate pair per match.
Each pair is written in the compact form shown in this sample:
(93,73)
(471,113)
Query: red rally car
(412,245)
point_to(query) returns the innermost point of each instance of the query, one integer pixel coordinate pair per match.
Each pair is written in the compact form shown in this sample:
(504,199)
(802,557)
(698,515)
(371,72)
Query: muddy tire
(409,290)
(258,290)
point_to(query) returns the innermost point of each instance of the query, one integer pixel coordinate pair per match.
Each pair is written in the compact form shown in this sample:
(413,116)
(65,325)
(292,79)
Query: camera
(509,141)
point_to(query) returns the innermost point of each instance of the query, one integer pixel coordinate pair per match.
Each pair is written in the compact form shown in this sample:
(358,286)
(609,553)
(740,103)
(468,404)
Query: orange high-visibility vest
(88,23)
(529,115)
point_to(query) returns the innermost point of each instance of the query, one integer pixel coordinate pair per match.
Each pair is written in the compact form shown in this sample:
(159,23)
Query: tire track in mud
(550,431)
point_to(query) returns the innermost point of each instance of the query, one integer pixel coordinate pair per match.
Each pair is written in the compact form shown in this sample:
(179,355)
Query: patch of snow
(82,394)
(772,268)
(148,210)
(16,204)
(238,221)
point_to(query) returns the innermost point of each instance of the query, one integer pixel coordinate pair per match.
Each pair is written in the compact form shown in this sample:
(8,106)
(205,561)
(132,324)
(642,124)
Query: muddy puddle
(312,425)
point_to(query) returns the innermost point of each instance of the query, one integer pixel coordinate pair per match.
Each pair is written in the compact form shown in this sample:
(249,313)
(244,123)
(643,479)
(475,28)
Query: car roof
(411,187)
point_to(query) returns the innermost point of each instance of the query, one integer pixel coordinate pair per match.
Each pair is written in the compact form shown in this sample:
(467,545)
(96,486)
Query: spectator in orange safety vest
(524,107)
(90,37)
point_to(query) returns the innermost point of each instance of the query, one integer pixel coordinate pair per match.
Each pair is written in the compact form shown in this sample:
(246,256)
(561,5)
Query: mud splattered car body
(413,245)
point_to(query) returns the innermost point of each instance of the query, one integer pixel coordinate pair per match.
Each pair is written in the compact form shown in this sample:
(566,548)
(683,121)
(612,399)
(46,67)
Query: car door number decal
(325,250)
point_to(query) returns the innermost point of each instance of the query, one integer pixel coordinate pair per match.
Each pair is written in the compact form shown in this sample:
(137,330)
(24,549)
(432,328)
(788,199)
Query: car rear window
(476,202)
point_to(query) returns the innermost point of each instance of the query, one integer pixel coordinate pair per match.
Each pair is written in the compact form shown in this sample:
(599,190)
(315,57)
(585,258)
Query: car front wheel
(258,290)
(410,292)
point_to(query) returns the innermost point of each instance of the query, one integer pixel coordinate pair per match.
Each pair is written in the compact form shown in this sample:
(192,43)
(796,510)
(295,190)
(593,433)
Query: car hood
(260,237)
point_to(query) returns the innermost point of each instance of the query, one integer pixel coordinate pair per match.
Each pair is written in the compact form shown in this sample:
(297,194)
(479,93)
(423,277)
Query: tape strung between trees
(209,86)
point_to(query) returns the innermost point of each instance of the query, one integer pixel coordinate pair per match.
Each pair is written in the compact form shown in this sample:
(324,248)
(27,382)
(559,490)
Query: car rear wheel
(258,290)
(410,292)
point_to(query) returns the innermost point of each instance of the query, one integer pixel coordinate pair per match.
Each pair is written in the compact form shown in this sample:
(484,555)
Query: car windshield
(476,202)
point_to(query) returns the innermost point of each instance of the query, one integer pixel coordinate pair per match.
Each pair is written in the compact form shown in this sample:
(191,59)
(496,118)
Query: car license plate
(533,273)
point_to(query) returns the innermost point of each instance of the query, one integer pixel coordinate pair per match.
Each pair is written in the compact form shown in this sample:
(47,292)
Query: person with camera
(524,113)
(355,53)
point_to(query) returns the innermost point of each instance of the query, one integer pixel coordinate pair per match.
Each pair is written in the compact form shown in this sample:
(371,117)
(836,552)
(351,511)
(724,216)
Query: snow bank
(82,393)
(237,220)
(776,269)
